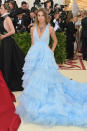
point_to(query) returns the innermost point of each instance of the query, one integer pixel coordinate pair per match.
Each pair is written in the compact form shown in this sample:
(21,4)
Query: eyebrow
(42,14)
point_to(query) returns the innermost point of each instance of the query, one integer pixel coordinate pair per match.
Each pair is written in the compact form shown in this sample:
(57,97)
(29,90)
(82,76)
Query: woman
(11,57)
(13,6)
(70,35)
(8,119)
(49,98)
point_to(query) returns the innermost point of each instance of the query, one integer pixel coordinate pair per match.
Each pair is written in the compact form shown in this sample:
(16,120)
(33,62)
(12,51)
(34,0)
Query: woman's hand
(2,37)
(51,49)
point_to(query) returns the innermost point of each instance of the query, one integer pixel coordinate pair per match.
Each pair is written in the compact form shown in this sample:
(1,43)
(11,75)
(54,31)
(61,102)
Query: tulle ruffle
(49,98)
(37,58)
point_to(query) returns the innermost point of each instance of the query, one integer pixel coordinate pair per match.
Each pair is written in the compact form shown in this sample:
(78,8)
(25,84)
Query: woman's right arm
(10,28)
(31,33)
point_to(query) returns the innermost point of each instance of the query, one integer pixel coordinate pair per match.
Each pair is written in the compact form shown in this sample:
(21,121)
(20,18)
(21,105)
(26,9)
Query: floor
(78,75)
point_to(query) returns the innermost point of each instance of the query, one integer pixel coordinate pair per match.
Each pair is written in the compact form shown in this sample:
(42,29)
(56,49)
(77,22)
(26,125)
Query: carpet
(76,64)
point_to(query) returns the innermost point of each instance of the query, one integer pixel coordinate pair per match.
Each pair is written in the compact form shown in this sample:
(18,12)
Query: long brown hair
(69,17)
(45,15)
(14,4)
(6,6)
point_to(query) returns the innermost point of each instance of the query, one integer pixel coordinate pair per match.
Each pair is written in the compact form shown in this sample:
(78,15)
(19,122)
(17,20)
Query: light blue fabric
(49,98)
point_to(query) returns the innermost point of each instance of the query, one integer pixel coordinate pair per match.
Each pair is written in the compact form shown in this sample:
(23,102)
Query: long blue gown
(49,98)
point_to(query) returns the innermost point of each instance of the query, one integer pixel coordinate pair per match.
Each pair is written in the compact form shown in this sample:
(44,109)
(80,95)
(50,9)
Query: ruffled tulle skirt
(9,120)
(49,98)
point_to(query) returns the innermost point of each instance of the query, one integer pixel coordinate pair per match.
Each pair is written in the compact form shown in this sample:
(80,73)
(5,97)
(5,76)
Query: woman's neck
(42,24)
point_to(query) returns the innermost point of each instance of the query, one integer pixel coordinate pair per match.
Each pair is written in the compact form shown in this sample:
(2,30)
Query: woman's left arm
(53,35)
(10,26)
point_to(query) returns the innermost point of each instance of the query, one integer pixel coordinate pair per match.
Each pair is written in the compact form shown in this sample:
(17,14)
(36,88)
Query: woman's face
(2,10)
(41,17)
(10,5)
(75,19)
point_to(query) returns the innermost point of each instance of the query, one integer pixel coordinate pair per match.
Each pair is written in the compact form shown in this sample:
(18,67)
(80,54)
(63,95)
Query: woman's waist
(7,38)
(4,33)
(41,47)
(41,43)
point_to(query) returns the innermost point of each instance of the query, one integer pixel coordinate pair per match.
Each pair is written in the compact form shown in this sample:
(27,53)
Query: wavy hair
(6,6)
(45,15)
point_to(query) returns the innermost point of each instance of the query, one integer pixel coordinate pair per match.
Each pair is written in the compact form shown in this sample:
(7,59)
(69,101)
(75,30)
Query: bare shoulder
(8,19)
